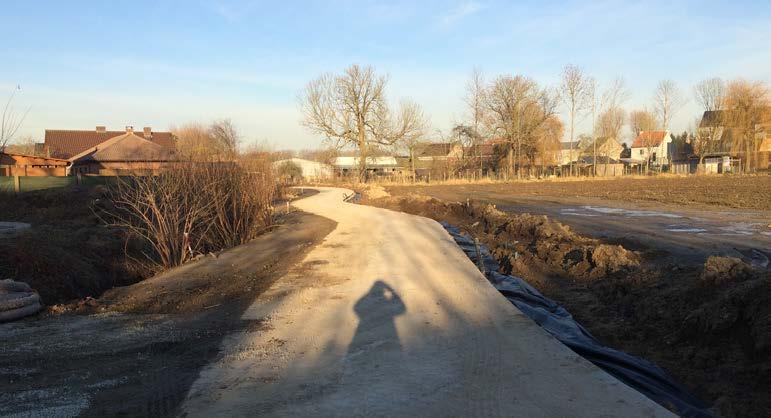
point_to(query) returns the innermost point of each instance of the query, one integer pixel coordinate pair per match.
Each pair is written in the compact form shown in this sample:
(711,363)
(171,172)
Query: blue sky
(164,63)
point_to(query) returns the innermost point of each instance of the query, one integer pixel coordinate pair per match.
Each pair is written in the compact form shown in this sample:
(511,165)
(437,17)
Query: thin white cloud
(461,11)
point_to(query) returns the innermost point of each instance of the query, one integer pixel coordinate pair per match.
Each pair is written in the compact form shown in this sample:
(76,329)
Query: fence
(20,184)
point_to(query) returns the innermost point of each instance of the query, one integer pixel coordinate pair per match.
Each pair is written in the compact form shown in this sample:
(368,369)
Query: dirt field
(650,215)
(136,350)
(708,325)
(741,192)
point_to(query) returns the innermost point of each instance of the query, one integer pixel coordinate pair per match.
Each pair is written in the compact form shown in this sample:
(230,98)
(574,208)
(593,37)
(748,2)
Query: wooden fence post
(16,184)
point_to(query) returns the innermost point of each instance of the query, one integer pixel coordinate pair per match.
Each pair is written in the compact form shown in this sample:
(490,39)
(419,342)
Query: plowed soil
(741,192)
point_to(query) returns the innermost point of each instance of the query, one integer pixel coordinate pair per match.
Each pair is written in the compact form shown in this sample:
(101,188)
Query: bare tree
(11,121)
(643,123)
(225,136)
(475,100)
(611,122)
(667,100)
(610,112)
(518,107)
(641,120)
(351,109)
(747,111)
(575,89)
(710,94)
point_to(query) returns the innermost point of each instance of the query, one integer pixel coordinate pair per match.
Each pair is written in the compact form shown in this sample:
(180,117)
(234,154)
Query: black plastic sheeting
(638,373)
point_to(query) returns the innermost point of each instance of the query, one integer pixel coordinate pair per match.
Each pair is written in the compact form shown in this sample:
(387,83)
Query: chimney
(129,128)
(101,129)
(148,131)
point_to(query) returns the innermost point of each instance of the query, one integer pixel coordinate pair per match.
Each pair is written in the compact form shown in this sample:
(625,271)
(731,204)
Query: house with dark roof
(653,146)
(68,143)
(123,154)
(719,126)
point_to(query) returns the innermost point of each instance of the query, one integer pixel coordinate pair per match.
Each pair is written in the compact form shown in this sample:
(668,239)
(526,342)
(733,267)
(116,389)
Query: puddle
(687,230)
(630,213)
(9,229)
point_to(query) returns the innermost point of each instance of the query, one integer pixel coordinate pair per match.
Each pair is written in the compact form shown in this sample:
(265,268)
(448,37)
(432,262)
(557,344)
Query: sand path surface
(387,317)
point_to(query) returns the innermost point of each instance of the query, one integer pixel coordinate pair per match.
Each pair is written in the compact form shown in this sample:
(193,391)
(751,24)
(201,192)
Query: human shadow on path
(377,311)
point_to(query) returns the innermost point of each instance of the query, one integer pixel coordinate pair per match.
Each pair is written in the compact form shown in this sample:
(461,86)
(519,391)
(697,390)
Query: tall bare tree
(351,109)
(641,120)
(611,115)
(517,108)
(642,123)
(611,122)
(575,88)
(11,120)
(710,95)
(667,100)
(226,136)
(475,102)
(747,112)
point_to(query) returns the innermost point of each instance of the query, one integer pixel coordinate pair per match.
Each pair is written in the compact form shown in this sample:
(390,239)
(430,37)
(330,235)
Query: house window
(641,152)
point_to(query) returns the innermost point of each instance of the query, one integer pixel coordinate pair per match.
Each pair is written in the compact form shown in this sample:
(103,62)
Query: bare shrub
(194,208)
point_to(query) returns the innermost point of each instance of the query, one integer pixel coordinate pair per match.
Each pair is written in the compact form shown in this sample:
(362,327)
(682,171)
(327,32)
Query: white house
(311,170)
(568,152)
(376,165)
(653,145)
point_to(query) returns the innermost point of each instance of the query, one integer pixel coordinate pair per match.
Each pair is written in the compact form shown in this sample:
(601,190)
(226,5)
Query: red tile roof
(66,143)
(649,139)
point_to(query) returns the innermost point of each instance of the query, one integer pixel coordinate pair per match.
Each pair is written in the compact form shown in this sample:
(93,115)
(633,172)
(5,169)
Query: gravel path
(387,317)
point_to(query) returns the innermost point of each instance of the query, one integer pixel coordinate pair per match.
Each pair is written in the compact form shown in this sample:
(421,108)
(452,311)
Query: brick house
(123,154)
(67,143)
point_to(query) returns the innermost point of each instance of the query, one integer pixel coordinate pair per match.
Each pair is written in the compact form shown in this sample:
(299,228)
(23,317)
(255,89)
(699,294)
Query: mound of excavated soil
(708,326)
(520,241)
(719,269)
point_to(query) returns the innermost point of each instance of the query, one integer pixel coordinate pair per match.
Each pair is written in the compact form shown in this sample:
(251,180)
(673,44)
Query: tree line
(521,117)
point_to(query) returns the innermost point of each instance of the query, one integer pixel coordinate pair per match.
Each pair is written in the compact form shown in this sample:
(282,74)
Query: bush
(289,172)
(194,208)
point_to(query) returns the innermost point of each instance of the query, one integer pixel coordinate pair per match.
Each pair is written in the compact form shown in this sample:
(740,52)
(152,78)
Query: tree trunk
(362,155)
(510,158)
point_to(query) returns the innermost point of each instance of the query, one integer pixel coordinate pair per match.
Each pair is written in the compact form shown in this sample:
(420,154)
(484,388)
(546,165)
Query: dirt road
(388,317)
(686,235)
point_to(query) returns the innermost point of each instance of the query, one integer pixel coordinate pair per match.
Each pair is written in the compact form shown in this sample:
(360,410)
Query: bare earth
(137,350)
(684,220)
(389,318)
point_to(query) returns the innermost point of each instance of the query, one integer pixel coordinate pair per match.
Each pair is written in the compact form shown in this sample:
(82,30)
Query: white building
(311,170)
(653,145)
(568,152)
(375,165)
